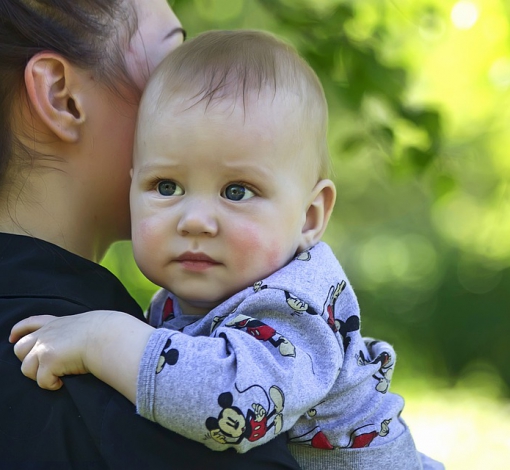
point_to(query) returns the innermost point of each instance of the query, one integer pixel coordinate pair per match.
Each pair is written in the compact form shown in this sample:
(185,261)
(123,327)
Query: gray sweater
(284,355)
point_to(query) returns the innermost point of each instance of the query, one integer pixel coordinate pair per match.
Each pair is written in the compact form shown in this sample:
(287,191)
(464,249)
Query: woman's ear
(51,82)
(320,207)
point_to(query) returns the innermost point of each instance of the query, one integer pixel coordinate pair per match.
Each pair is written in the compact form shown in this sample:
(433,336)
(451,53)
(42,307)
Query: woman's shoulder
(34,272)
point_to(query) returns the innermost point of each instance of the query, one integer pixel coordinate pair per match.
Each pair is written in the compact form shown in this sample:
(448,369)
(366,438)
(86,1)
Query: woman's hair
(219,65)
(88,33)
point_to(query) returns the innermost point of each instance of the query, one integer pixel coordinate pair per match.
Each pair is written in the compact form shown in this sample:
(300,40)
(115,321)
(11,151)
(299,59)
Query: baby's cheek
(141,235)
(146,239)
(256,254)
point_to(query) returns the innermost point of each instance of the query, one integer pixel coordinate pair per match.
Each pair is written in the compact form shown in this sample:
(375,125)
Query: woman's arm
(107,344)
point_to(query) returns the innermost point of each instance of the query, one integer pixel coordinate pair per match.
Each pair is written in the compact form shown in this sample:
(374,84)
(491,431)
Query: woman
(71,74)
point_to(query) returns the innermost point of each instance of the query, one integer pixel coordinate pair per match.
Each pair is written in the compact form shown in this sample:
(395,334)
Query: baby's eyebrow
(150,168)
(252,167)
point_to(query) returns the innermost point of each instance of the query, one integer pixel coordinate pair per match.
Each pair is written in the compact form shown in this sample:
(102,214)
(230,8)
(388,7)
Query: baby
(256,330)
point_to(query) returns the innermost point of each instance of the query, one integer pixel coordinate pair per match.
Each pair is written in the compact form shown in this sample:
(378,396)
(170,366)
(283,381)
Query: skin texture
(207,154)
(194,239)
(80,344)
(87,129)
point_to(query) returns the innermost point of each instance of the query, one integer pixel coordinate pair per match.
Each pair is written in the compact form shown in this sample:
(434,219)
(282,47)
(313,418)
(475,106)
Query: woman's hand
(105,343)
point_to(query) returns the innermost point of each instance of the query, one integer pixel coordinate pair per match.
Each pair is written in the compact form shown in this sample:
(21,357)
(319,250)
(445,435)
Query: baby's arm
(272,380)
(257,373)
(104,343)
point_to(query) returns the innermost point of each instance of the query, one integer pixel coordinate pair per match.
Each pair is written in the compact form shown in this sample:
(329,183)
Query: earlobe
(320,207)
(49,81)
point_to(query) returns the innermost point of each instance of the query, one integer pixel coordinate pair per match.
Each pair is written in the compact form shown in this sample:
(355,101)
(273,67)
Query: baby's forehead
(281,111)
(265,115)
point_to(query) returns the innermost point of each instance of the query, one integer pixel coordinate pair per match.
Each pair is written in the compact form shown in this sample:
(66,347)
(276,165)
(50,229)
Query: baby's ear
(320,207)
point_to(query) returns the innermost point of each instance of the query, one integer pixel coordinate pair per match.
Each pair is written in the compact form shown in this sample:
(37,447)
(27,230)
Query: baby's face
(218,198)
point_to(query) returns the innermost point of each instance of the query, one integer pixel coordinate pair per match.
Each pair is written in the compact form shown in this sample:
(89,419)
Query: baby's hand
(106,343)
(29,325)
(51,347)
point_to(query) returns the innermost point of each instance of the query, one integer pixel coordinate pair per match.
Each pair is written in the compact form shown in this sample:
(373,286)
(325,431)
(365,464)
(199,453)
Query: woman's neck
(48,207)
(72,244)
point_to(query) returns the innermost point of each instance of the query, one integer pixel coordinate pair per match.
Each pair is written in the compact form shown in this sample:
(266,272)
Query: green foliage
(418,112)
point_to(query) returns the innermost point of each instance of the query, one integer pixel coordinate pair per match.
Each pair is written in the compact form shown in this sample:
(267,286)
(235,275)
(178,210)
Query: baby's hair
(235,65)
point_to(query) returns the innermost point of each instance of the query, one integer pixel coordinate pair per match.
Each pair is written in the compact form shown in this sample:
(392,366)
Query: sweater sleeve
(263,366)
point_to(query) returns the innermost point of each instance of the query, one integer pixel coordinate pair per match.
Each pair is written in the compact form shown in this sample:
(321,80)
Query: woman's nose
(198,218)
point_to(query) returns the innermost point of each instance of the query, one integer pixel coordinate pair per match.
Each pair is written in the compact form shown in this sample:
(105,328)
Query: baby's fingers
(29,325)
(32,368)
(24,346)
(47,380)
(30,365)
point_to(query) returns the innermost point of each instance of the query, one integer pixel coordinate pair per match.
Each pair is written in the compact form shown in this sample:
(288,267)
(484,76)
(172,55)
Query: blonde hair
(217,65)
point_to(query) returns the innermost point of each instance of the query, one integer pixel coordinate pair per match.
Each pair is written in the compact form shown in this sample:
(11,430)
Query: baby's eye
(238,192)
(169,188)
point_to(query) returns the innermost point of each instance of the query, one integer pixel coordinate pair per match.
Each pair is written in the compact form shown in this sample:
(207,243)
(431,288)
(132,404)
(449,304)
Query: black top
(86,424)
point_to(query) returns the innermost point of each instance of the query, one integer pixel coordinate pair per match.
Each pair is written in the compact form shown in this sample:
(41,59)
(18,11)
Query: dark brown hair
(85,32)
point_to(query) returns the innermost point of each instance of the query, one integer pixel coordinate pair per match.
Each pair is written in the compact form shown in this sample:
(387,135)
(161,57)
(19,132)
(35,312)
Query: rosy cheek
(146,238)
(247,243)
(141,233)
(148,248)
(255,252)
(275,259)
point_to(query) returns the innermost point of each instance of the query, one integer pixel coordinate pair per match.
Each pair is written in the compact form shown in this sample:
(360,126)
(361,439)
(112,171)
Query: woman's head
(78,30)
(71,74)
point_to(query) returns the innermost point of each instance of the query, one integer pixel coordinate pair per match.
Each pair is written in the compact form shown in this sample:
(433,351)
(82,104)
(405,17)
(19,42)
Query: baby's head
(230,166)
(222,70)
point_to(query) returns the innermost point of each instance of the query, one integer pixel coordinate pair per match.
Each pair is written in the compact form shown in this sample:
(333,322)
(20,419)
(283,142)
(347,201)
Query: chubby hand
(106,343)
(51,347)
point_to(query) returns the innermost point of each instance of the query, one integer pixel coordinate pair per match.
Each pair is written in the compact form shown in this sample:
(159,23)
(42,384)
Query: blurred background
(419,97)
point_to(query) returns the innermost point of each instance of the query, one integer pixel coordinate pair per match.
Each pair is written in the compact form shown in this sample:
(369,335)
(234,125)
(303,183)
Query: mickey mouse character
(297,305)
(386,365)
(169,356)
(360,437)
(329,306)
(232,426)
(364,439)
(263,332)
(314,438)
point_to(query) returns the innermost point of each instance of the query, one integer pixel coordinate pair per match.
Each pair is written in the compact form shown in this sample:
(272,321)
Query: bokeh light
(464,15)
